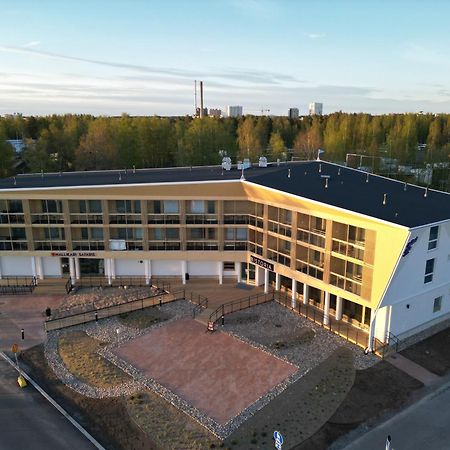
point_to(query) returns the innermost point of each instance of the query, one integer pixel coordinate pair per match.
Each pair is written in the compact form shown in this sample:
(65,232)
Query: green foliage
(83,142)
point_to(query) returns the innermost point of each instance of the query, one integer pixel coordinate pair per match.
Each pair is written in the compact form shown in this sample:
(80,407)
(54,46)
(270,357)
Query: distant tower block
(293,113)
(234,111)
(315,109)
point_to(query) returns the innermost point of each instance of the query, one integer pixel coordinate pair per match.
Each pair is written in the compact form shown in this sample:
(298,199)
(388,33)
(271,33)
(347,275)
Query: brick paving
(215,372)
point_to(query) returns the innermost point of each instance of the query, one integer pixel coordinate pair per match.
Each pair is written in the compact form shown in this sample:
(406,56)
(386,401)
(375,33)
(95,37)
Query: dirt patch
(242,320)
(432,353)
(300,336)
(106,419)
(78,351)
(377,390)
(143,318)
(302,408)
(169,428)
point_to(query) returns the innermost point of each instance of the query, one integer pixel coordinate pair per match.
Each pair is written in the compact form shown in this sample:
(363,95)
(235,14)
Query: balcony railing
(13,245)
(50,245)
(235,245)
(202,219)
(164,245)
(237,219)
(12,218)
(125,218)
(88,245)
(163,218)
(202,245)
(47,218)
(86,218)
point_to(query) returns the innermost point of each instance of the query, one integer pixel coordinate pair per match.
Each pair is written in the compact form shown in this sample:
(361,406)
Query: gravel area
(260,327)
(274,323)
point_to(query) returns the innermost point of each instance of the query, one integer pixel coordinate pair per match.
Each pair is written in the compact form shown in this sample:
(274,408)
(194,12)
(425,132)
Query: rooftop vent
(289,173)
(384,199)
(262,161)
(226,163)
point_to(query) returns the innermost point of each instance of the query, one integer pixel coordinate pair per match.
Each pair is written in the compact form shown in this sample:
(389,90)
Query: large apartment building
(362,248)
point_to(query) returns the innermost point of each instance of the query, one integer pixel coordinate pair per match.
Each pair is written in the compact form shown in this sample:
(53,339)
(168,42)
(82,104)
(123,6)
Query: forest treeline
(84,142)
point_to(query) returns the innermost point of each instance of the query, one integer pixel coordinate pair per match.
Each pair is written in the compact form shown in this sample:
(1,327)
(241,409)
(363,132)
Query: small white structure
(226,163)
(262,161)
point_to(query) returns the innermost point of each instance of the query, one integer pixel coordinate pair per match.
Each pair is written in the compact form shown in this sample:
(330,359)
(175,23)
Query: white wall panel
(166,268)
(129,267)
(202,268)
(51,267)
(16,266)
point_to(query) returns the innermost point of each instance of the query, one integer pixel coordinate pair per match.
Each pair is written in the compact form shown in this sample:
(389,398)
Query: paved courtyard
(215,372)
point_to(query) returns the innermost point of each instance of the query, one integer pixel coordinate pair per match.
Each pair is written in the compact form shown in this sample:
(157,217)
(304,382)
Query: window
(241,234)
(429,269)
(171,207)
(228,265)
(432,241)
(437,304)
(211,207)
(97,233)
(172,233)
(197,206)
(95,206)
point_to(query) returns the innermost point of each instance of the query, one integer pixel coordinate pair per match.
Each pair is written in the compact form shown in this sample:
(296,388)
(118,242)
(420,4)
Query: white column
(326,309)
(148,270)
(77,268)
(112,268)
(33,266)
(266,281)
(338,308)
(277,281)
(305,293)
(220,271)
(371,337)
(183,271)
(108,270)
(72,269)
(39,268)
(238,266)
(294,293)
(257,272)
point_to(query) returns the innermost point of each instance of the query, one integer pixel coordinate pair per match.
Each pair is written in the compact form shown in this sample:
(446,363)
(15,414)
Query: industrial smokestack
(195,96)
(201,99)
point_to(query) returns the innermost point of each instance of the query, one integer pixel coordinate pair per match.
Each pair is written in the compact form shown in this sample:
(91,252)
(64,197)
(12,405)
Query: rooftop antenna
(384,199)
(320,167)
(425,194)
(120,176)
(242,174)
(319,152)
(367,177)
(405,187)
(289,173)
(15,181)
(326,183)
(339,171)
(134,168)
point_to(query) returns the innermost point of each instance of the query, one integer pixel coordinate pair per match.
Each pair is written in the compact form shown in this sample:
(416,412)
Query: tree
(277,147)
(7,155)
(308,141)
(249,139)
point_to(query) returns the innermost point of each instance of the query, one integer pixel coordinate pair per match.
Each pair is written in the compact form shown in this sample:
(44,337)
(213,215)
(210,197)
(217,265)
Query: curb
(54,404)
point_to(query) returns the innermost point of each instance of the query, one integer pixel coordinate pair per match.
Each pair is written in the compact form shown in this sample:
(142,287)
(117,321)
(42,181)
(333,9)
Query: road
(424,425)
(28,421)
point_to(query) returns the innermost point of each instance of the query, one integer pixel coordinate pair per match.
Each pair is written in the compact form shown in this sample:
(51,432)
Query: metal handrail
(200,305)
(242,303)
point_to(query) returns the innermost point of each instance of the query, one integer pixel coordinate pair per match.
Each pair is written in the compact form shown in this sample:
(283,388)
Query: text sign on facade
(260,262)
(74,254)
(278,438)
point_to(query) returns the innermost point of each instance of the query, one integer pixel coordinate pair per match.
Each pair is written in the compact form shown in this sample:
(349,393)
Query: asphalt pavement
(28,421)
(423,425)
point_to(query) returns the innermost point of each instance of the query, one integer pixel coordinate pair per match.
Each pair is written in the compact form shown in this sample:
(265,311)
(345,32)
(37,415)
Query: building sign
(278,438)
(260,262)
(409,245)
(75,254)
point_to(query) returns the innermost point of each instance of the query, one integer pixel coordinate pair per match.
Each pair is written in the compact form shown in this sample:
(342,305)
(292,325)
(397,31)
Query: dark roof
(349,189)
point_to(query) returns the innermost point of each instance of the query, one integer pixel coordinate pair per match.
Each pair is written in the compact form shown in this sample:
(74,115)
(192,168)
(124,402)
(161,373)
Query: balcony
(11,218)
(50,245)
(202,245)
(125,218)
(235,219)
(164,246)
(44,218)
(164,219)
(208,219)
(233,245)
(13,245)
(86,218)
(88,245)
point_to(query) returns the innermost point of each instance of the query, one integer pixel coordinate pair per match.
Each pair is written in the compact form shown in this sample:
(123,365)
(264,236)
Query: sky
(108,57)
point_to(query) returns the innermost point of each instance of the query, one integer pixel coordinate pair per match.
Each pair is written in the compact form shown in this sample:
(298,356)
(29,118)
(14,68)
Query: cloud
(315,36)
(32,44)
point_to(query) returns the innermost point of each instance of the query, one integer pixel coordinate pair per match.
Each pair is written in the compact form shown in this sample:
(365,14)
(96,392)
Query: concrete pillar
(148,270)
(371,338)
(108,270)
(277,281)
(257,276)
(294,293)
(33,266)
(112,268)
(77,268)
(39,267)
(326,309)
(338,308)
(305,293)
(238,268)
(266,281)
(183,271)
(72,269)
(220,271)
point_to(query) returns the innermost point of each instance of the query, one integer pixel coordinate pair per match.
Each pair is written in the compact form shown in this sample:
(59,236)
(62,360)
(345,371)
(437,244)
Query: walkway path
(412,369)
